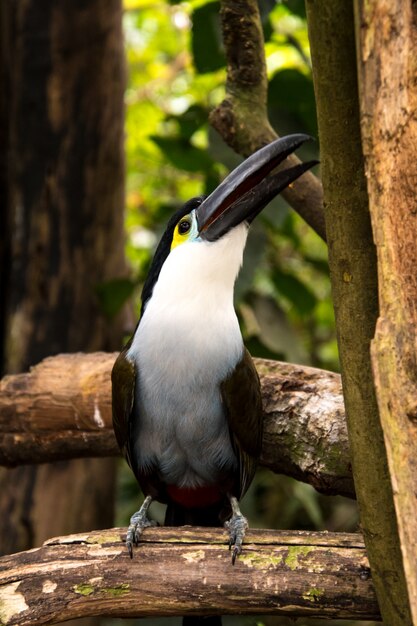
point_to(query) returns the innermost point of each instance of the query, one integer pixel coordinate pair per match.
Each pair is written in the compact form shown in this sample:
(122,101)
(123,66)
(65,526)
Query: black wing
(123,378)
(241,395)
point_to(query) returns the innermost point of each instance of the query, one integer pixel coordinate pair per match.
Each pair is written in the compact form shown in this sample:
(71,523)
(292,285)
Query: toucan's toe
(138,522)
(237,526)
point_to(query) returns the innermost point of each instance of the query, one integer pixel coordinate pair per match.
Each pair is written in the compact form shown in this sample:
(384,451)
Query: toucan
(187,408)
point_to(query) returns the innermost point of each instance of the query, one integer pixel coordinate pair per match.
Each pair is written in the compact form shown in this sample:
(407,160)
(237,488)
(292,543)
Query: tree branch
(298,573)
(242,118)
(62,409)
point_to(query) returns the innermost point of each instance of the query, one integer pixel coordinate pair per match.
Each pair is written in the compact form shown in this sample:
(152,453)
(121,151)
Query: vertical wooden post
(387,61)
(353,266)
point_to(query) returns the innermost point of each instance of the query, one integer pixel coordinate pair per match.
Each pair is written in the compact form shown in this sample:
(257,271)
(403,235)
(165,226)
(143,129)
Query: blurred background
(176,75)
(66,72)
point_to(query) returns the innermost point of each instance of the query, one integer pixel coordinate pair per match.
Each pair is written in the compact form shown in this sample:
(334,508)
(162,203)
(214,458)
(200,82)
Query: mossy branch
(62,409)
(299,573)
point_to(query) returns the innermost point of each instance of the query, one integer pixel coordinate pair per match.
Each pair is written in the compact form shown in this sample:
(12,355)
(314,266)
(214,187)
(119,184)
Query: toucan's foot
(138,522)
(237,526)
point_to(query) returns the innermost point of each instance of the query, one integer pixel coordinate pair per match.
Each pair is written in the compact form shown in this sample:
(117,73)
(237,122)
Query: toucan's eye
(183,231)
(184,226)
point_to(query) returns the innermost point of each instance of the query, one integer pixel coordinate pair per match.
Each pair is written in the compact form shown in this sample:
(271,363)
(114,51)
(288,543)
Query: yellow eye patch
(181,232)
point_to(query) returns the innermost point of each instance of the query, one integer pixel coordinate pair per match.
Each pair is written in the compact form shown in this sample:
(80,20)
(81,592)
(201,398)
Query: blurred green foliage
(176,75)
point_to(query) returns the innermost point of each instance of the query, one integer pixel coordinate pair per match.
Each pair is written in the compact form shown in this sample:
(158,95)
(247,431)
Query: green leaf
(113,294)
(265,8)
(220,151)
(206,41)
(300,296)
(191,120)
(291,96)
(211,181)
(296,6)
(321,265)
(183,154)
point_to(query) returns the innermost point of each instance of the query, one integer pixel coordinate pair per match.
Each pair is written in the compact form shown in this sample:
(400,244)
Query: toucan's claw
(237,526)
(138,522)
(235,553)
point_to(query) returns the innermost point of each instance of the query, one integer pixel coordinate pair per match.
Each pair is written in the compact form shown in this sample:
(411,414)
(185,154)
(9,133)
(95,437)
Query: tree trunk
(62,64)
(387,34)
(352,259)
(5,257)
(66,165)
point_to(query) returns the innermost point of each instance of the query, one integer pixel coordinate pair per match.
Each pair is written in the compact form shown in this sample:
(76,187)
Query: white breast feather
(187,342)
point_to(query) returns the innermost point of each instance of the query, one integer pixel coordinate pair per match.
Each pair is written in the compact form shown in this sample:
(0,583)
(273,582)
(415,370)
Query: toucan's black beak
(249,188)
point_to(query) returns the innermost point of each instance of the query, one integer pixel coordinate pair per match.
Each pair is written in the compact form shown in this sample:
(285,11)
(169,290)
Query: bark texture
(5,257)
(387,34)
(352,259)
(66,175)
(62,409)
(242,118)
(63,66)
(299,573)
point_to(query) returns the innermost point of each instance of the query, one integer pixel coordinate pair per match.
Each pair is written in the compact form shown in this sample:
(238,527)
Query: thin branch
(62,409)
(299,573)
(242,118)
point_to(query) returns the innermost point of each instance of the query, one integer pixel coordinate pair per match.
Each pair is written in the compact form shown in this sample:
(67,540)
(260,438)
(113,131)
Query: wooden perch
(61,409)
(296,574)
